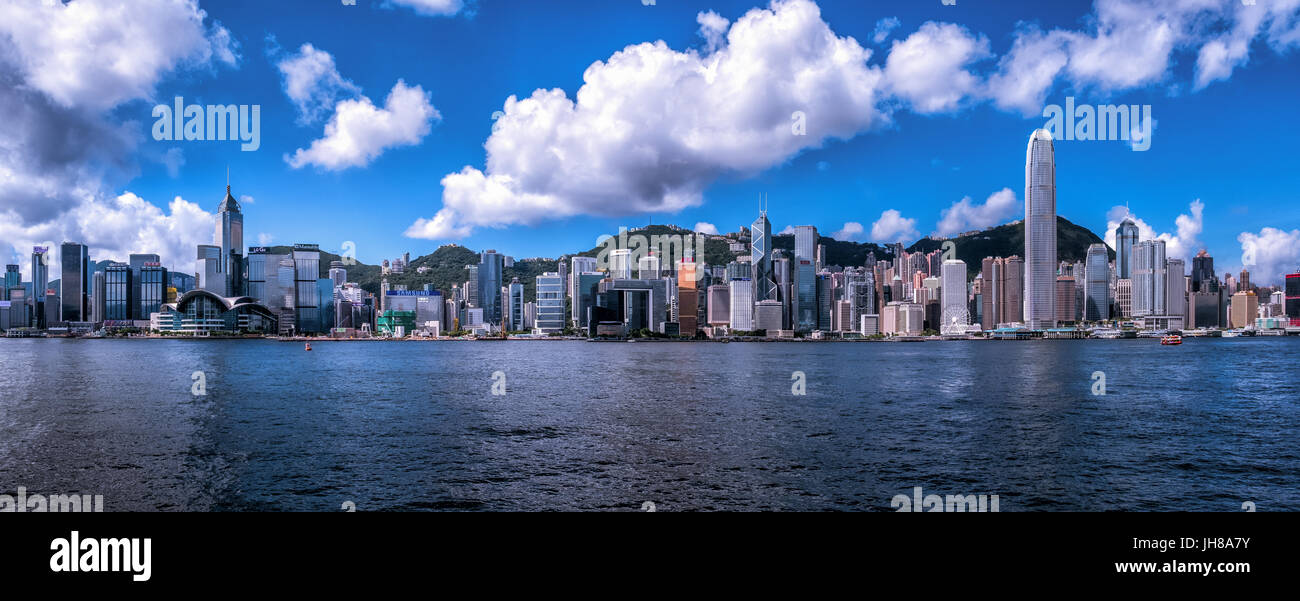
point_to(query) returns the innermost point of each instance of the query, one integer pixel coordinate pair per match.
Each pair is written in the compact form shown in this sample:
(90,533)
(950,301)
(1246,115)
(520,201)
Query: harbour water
(1205,426)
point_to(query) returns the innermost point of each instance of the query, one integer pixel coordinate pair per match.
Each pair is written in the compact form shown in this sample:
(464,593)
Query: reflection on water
(410,426)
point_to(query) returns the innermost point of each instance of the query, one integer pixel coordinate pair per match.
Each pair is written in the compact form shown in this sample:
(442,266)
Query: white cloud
(359,131)
(313,83)
(65,68)
(1026,73)
(652,127)
(928,69)
(883,27)
(1128,44)
(438,228)
(964,215)
(100,53)
(1275,253)
(173,159)
(116,227)
(246,199)
(706,228)
(713,28)
(786,231)
(1181,245)
(264,239)
(432,8)
(893,227)
(850,232)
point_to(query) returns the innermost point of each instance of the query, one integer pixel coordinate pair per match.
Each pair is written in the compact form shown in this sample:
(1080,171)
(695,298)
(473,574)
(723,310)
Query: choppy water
(687,426)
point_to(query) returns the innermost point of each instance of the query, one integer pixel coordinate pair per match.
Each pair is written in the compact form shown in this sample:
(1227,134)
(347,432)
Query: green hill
(445,267)
(1072,242)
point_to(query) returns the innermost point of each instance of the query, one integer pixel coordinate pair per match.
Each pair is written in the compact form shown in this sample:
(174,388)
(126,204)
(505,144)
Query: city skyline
(856,178)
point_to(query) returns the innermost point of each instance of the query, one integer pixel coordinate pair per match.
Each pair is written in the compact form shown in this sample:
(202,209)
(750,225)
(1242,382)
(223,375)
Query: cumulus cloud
(883,27)
(432,8)
(116,227)
(786,231)
(1181,245)
(893,227)
(99,53)
(441,227)
(651,127)
(359,131)
(63,69)
(851,231)
(713,28)
(312,82)
(706,228)
(965,215)
(1128,44)
(928,69)
(1270,254)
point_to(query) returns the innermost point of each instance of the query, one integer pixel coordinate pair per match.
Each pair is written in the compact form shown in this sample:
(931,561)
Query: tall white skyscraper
(1040,231)
(742,305)
(956,314)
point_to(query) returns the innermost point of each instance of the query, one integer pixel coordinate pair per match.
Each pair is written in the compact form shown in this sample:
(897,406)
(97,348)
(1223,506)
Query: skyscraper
(491,266)
(1293,298)
(1040,231)
(806,310)
(1003,291)
(40,282)
(1126,236)
(118,290)
(13,279)
(955,314)
(740,314)
(764,280)
(579,266)
(230,237)
(137,262)
(75,282)
(209,259)
(1150,279)
(550,302)
(307,301)
(1203,277)
(688,297)
(338,273)
(1096,292)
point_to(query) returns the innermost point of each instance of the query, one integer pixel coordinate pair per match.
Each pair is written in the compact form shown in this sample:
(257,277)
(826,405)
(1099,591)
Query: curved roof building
(202,311)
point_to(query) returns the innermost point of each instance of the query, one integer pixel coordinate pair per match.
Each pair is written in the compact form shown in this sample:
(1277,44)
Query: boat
(1171,340)
(308,346)
(1230,334)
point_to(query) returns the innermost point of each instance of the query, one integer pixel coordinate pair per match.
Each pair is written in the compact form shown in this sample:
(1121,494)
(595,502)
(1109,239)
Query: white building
(1040,231)
(955,310)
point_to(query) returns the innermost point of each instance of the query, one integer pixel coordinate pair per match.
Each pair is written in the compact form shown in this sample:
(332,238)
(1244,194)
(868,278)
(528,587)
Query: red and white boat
(1172,339)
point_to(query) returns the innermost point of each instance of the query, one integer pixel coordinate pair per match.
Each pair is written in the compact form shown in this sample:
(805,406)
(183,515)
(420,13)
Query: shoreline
(897,339)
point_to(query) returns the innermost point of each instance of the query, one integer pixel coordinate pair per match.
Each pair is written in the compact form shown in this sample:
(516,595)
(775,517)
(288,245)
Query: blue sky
(948,121)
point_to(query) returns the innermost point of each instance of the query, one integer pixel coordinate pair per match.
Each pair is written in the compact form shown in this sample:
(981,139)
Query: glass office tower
(75,282)
(1126,236)
(1040,231)
(117,292)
